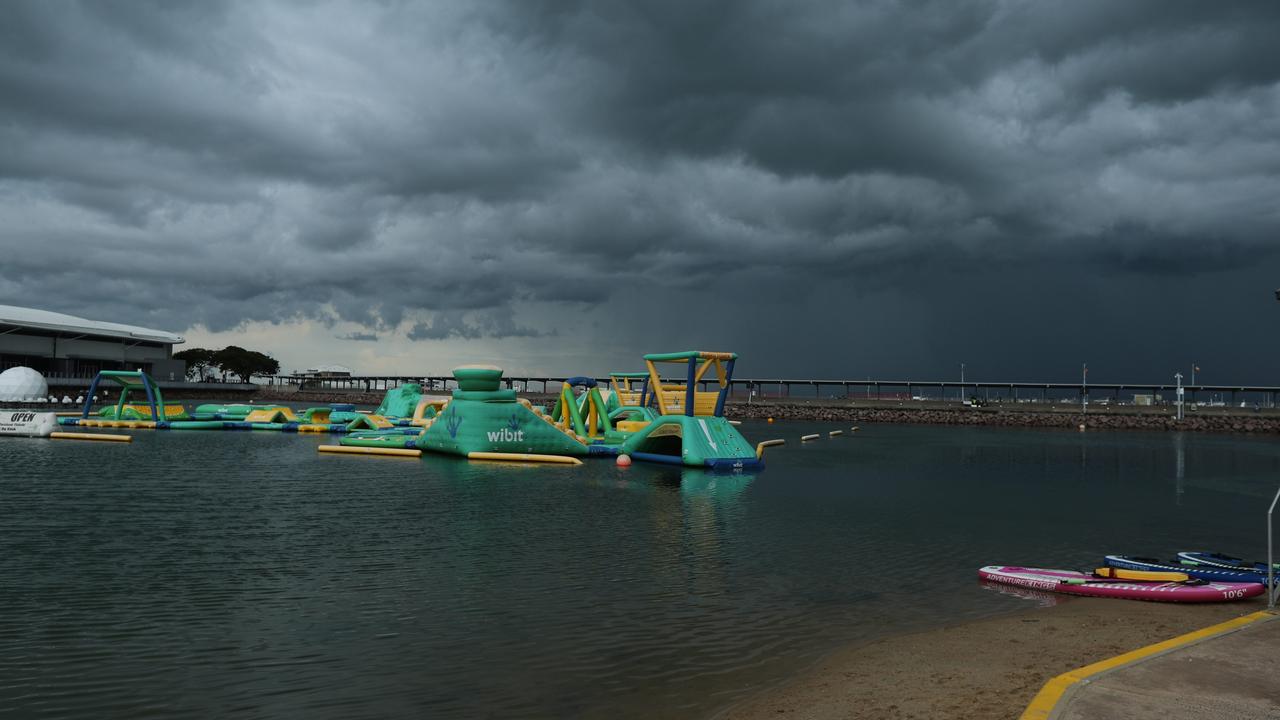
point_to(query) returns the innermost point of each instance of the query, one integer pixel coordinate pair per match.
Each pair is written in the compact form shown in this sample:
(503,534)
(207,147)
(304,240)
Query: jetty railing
(852,389)
(1271,562)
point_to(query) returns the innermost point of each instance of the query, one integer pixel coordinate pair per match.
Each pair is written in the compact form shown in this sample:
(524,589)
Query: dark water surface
(243,574)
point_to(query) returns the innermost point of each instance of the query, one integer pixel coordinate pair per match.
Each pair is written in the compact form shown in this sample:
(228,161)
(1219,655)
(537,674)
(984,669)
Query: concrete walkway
(1232,675)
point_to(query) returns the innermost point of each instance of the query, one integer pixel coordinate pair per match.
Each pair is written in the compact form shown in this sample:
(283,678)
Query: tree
(244,363)
(197,359)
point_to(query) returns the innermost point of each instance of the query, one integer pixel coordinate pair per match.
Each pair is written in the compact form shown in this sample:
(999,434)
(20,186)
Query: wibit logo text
(506,435)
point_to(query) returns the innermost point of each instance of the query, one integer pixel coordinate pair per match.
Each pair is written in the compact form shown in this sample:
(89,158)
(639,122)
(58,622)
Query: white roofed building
(58,345)
(327,371)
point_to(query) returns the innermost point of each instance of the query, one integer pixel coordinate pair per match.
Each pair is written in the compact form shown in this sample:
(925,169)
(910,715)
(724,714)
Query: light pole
(961,382)
(1178,377)
(1084,388)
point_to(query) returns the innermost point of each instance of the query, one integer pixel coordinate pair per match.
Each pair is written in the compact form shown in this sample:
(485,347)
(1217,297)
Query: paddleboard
(1204,572)
(1218,560)
(1078,583)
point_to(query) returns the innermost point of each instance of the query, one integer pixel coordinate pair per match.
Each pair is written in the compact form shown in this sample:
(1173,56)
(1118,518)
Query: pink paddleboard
(1078,583)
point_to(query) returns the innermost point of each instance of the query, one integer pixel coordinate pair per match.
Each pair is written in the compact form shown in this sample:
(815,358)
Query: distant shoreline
(1108,418)
(1098,416)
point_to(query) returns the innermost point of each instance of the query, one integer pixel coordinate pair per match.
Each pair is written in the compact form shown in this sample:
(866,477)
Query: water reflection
(1041,598)
(1180,464)
(205,574)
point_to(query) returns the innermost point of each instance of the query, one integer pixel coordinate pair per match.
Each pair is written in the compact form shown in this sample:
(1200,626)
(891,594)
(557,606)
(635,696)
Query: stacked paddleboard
(1208,566)
(1225,562)
(1125,583)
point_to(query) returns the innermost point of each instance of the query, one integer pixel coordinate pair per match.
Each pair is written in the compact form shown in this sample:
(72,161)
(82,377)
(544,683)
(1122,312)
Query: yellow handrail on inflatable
(767,443)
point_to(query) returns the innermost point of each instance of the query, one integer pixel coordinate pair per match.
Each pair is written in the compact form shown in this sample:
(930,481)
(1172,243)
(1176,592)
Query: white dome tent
(17,384)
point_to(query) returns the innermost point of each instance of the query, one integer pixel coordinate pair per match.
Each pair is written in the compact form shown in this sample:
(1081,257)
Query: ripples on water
(197,574)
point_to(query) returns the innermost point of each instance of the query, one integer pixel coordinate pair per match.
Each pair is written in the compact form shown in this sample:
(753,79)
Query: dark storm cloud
(438,169)
(455,325)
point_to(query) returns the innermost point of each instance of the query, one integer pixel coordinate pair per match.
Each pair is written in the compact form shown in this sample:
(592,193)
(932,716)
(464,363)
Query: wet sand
(984,669)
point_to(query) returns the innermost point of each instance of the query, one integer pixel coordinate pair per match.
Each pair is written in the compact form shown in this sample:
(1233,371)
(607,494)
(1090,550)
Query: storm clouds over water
(830,188)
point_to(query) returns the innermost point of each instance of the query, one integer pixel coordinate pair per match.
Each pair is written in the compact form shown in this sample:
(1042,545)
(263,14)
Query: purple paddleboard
(1078,583)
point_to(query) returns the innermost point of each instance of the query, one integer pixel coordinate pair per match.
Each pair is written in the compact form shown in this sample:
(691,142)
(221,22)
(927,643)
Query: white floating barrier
(834,433)
(807,438)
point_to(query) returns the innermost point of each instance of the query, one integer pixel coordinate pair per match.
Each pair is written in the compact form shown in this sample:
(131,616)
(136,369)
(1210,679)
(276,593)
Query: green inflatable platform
(697,441)
(482,417)
(400,402)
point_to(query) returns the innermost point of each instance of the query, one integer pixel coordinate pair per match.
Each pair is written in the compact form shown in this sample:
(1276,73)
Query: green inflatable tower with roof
(691,428)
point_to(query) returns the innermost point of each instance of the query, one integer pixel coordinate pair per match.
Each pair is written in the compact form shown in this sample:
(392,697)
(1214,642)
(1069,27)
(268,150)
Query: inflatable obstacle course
(222,412)
(587,416)
(369,422)
(483,417)
(400,402)
(690,428)
(271,415)
(154,413)
(637,415)
(628,388)
(136,411)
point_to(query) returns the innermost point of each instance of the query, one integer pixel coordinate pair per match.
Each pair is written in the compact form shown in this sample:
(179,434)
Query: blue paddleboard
(1203,572)
(1225,562)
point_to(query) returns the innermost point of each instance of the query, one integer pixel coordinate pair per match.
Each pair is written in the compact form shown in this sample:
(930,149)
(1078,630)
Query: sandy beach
(986,669)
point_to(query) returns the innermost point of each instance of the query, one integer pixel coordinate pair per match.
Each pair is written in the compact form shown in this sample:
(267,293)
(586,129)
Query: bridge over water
(869,388)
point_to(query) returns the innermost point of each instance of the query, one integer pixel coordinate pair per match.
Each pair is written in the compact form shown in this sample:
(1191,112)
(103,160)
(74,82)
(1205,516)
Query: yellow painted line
(524,457)
(91,436)
(1044,702)
(403,452)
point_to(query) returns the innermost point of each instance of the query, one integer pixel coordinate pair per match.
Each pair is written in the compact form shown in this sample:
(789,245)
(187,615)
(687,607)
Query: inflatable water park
(635,416)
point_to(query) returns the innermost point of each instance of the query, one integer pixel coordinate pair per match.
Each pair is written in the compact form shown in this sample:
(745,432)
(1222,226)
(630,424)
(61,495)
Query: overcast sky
(832,189)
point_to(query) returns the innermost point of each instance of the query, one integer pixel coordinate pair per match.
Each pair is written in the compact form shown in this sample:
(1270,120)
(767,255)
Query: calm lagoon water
(244,574)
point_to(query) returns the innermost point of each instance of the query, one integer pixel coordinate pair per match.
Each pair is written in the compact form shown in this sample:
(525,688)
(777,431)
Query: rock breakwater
(1010,418)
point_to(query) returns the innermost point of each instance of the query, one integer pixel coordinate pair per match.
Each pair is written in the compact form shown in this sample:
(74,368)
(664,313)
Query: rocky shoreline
(1110,418)
(1009,418)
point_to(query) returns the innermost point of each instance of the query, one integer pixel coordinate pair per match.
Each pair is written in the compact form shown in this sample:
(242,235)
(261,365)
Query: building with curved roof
(66,346)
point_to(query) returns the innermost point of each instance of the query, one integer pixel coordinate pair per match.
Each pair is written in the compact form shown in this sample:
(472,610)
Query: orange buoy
(770,420)
(624,460)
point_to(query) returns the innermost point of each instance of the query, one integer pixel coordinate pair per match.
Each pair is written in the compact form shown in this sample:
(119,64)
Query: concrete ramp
(1232,672)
